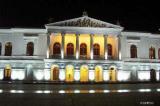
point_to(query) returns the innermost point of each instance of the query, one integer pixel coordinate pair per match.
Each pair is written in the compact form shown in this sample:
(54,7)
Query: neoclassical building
(82,49)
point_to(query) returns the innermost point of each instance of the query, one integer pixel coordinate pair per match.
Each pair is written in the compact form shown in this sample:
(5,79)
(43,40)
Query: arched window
(8,49)
(0,48)
(152,53)
(109,46)
(70,49)
(96,49)
(30,49)
(133,51)
(56,48)
(159,53)
(83,49)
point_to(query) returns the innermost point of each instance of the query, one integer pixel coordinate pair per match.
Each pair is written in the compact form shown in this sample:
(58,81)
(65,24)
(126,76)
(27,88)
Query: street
(80,95)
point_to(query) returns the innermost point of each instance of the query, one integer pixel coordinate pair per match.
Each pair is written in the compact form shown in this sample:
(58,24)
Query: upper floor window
(70,49)
(109,46)
(56,48)
(152,53)
(159,53)
(83,49)
(8,49)
(0,48)
(30,49)
(96,49)
(133,51)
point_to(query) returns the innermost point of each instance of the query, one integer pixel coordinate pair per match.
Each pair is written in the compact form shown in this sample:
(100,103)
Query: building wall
(19,43)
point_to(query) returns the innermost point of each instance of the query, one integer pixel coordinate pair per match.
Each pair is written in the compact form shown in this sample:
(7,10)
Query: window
(159,53)
(96,49)
(152,53)
(70,49)
(30,49)
(109,46)
(83,49)
(133,51)
(0,48)
(8,49)
(56,48)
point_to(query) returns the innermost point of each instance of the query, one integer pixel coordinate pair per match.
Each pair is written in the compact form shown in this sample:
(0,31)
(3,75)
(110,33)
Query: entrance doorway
(84,73)
(55,72)
(98,74)
(153,75)
(7,72)
(112,74)
(69,73)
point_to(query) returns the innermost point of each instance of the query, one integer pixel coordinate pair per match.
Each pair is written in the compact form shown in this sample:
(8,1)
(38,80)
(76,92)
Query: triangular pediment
(84,21)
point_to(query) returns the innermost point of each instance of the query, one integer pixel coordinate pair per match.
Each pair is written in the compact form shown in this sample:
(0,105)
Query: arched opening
(84,73)
(8,49)
(30,49)
(133,51)
(55,72)
(153,75)
(69,73)
(7,72)
(152,53)
(83,49)
(109,47)
(159,53)
(57,48)
(96,49)
(98,73)
(70,49)
(0,48)
(112,73)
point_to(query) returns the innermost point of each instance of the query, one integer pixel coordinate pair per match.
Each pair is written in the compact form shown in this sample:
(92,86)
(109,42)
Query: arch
(109,47)
(159,53)
(112,73)
(57,48)
(30,49)
(98,73)
(69,73)
(83,49)
(0,48)
(8,49)
(84,73)
(96,49)
(152,75)
(152,52)
(133,51)
(70,49)
(7,72)
(55,72)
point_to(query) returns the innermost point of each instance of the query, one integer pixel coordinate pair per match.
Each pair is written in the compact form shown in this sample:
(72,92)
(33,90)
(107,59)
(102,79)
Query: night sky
(133,16)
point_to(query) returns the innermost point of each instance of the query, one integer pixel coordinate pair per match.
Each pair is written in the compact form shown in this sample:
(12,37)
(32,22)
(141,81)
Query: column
(119,48)
(105,47)
(77,46)
(48,43)
(91,46)
(62,46)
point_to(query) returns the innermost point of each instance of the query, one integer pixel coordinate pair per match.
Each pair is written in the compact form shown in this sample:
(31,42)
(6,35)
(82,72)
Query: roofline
(23,30)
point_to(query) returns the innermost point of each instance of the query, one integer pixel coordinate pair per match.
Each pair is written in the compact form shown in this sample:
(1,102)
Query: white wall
(19,43)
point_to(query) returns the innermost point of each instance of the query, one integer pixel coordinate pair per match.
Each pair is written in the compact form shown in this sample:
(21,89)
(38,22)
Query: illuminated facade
(79,50)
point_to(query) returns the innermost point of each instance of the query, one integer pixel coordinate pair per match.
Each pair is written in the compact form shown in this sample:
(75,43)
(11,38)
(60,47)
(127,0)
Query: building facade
(82,49)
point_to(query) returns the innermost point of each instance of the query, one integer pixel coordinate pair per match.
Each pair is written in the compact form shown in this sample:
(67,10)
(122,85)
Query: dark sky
(138,16)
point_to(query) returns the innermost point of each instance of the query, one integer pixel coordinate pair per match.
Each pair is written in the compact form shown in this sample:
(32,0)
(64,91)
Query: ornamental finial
(85,13)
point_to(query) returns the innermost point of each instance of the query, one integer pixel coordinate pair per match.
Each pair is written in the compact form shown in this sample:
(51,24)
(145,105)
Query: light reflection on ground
(77,91)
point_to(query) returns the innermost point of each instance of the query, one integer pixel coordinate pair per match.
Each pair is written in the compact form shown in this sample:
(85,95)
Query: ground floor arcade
(71,72)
